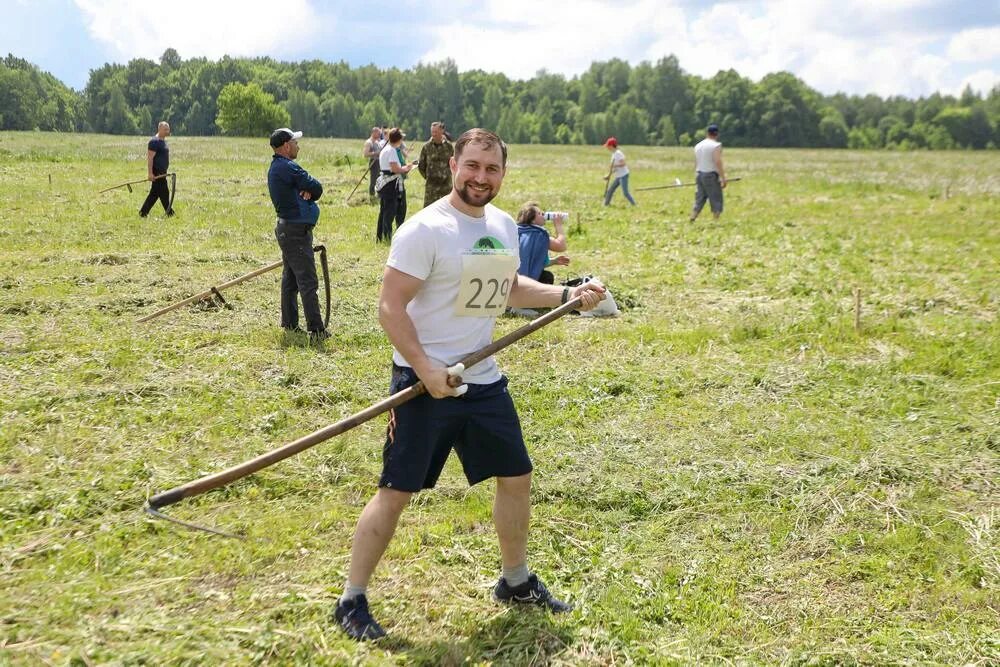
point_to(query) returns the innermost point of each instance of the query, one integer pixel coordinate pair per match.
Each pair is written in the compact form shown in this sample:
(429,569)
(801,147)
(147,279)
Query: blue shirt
(285,179)
(534,244)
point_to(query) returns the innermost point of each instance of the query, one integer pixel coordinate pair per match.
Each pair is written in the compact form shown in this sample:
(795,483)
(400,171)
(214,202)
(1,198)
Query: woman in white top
(390,187)
(619,170)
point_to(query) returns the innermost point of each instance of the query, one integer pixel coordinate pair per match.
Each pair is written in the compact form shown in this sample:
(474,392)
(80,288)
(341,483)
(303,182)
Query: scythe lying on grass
(216,290)
(214,481)
(681,185)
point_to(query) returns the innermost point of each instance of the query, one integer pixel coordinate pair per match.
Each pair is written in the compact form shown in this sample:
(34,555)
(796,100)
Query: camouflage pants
(434,191)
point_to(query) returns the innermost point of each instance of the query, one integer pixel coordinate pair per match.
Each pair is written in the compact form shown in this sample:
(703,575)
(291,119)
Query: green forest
(649,103)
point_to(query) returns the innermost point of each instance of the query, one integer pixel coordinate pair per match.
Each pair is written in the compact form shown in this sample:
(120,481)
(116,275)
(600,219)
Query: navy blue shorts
(482,426)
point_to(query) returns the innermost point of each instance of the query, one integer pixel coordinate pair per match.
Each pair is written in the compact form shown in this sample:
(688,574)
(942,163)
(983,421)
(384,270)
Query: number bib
(485,285)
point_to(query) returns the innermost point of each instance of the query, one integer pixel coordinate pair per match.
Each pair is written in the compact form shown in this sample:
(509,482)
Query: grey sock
(351,592)
(516,575)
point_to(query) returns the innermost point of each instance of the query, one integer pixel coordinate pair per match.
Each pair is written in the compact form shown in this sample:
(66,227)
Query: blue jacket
(285,179)
(534,249)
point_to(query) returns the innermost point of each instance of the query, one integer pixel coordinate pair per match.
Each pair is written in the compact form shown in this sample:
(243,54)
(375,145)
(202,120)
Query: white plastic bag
(606,308)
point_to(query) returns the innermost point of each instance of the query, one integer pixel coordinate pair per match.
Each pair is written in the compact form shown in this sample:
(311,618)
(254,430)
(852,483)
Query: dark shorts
(482,426)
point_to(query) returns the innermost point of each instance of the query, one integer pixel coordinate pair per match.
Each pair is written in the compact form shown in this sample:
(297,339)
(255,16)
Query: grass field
(727,473)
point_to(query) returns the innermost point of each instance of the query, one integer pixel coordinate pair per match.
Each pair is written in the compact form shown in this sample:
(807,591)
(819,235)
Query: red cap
(612,142)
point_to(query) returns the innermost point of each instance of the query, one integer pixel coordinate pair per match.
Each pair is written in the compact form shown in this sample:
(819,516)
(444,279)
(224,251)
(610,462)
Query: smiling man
(451,271)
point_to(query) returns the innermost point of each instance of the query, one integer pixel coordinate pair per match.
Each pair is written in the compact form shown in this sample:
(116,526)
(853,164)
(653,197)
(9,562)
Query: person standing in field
(157,165)
(433,165)
(390,186)
(294,194)
(710,176)
(436,307)
(373,146)
(619,170)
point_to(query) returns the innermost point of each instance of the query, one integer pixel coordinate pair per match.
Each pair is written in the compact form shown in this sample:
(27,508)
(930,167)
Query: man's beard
(465,195)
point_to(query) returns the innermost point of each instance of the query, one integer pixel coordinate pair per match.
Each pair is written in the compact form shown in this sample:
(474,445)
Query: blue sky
(887,47)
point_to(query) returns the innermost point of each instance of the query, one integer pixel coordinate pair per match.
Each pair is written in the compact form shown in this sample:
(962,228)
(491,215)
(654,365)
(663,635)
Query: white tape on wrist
(456,371)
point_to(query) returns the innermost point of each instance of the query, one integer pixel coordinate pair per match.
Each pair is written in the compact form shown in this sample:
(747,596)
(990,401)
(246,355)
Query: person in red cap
(619,170)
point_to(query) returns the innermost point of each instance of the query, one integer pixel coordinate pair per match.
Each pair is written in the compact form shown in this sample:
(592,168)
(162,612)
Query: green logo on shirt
(488,243)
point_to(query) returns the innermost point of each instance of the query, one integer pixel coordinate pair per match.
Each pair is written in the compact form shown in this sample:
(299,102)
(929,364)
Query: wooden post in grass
(857,309)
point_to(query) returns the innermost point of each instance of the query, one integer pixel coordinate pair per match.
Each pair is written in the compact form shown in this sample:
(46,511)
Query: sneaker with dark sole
(532,591)
(355,619)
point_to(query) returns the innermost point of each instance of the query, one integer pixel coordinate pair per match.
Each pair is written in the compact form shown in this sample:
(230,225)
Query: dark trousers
(709,188)
(298,276)
(546,278)
(373,172)
(157,190)
(392,206)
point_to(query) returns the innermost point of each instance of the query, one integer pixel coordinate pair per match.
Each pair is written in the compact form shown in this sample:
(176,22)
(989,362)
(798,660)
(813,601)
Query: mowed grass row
(729,472)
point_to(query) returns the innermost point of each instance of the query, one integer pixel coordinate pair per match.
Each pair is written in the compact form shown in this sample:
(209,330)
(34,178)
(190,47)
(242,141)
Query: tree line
(649,103)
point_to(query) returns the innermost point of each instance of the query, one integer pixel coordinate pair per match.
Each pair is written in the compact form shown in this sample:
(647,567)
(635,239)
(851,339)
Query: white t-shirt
(468,267)
(704,154)
(387,155)
(616,157)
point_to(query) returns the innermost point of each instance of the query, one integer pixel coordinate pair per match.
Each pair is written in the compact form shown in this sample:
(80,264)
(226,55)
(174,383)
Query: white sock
(516,575)
(351,592)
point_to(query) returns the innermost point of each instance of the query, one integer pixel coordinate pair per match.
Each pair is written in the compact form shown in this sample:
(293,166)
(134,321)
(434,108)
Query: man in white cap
(294,193)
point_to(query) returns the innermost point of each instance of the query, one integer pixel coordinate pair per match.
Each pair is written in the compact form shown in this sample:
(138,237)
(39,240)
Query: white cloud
(982,81)
(520,37)
(976,45)
(198,28)
(855,46)
(889,47)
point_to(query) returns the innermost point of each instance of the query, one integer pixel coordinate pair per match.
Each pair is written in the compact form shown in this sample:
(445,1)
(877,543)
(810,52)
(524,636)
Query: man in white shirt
(710,176)
(452,269)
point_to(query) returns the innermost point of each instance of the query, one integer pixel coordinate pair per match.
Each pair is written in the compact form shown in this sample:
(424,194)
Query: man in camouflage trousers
(433,165)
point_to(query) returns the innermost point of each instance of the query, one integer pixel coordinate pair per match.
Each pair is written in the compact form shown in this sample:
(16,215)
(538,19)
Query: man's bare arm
(528,293)
(398,289)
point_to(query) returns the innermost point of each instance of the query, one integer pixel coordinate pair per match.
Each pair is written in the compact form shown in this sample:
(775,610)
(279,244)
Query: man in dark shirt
(294,193)
(157,163)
